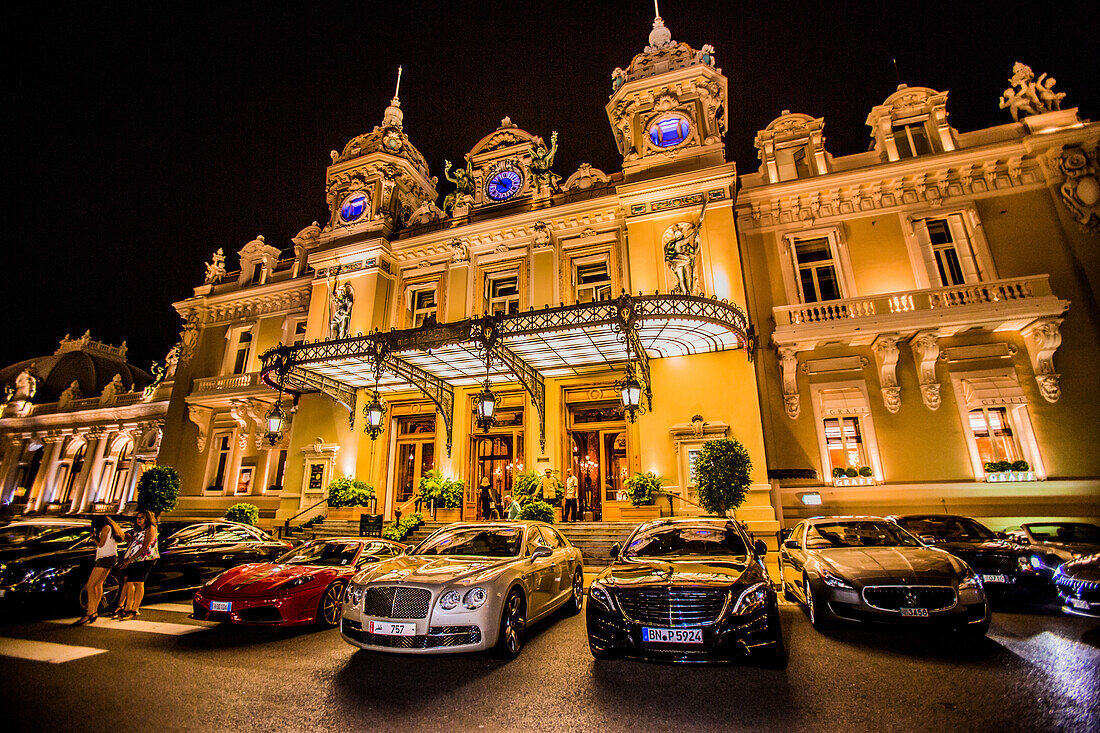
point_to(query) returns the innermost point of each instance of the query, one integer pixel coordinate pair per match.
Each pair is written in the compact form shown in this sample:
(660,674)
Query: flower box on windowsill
(853,481)
(995,477)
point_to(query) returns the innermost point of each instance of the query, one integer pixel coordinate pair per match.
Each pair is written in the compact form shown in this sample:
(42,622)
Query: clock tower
(668,108)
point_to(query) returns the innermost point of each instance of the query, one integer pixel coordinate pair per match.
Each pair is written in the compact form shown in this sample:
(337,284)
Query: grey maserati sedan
(870,569)
(468,587)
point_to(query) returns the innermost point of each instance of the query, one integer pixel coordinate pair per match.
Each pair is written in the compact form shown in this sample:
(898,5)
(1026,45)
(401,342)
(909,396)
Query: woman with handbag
(141,554)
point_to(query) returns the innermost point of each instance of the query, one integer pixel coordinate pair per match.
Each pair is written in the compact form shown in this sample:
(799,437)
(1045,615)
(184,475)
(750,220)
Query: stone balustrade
(232,381)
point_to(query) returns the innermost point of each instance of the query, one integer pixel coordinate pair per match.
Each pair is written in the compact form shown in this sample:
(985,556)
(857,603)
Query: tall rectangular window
(257,273)
(817,275)
(911,140)
(593,282)
(993,435)
(793,162)
(299,335)
(222,450)
(502,294)
(844,441)
(244,349)
(423,306)
(945,252)
(280,470)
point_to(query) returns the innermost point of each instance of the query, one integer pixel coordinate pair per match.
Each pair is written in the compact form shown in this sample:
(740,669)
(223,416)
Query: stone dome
(88,362)
(388,139)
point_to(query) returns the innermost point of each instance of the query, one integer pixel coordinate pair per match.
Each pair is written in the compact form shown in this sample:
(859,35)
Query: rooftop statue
(1030,96)
(681,244)
(24,389)
(215,269)
(113,389)
(342,300)
(463,179)
(69,396)
(541,161)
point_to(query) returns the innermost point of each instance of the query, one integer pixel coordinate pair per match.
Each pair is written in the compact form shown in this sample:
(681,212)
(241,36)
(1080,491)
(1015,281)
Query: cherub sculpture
(1030,96)
(215,269)
(681,244)
(463,179)
(541,161)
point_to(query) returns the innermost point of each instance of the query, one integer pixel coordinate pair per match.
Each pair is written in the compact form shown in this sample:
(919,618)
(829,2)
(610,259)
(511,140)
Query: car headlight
(354,594)
(598,594)
(752,599)
(300,580)
(449,600)
(970,581)
(833,581)
(475,598)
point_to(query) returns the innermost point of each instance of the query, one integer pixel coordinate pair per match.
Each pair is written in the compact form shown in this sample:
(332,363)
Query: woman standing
(107,535)
(141,555)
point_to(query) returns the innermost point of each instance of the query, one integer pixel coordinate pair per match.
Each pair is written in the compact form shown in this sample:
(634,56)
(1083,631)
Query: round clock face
(353,207)
(504,184)
(669,131)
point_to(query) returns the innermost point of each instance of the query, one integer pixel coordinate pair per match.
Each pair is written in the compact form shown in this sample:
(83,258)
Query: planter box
(448,515)
(640,513)
(348,513)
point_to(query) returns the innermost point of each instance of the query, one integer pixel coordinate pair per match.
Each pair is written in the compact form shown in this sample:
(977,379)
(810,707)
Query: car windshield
(678,540)
(948,529)
(858,533)
(328,554)
(18,534)
(1065,532)
(473,542)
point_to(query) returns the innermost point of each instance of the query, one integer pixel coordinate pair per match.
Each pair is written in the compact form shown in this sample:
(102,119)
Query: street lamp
(374,412)
(486,406)
(276,421)
(630,394)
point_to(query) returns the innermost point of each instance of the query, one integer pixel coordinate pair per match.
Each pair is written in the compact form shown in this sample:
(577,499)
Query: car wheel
(328,610)
(111,587)
(815,606)
(576,600)
(513,624)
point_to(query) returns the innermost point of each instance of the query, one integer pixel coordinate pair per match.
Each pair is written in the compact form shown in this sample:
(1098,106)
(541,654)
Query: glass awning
(527,347)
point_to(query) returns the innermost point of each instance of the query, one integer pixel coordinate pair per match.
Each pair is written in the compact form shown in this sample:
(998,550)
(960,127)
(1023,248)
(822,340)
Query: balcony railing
(89,403)
(232,381)
(971,294)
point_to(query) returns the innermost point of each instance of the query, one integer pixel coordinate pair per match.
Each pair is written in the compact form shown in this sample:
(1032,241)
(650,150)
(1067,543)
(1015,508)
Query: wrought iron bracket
(338,392)
(438,391)
(532,381)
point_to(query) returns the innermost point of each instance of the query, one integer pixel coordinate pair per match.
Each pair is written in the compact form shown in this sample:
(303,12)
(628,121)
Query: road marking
(146,627)
(45,651)
(175,607)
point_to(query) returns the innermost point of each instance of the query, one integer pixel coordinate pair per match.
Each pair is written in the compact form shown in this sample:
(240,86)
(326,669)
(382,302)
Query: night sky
(143,136)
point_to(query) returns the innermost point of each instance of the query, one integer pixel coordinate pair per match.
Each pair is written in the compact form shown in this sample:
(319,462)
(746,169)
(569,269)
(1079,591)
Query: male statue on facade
(541,160)
(681,245)
(463,179)
(342,301)
(215,269)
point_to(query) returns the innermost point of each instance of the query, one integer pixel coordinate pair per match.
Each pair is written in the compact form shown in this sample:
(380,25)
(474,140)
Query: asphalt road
(1036,671)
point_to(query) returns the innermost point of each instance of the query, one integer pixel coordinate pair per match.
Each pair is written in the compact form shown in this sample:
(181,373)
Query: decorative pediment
(505,136)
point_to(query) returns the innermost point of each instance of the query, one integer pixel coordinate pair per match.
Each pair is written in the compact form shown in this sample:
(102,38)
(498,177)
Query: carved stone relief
(1043,338)
(886,353)
(788,364)
(926,349)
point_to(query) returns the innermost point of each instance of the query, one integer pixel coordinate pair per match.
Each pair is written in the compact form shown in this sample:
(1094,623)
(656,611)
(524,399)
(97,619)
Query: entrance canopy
(527,347)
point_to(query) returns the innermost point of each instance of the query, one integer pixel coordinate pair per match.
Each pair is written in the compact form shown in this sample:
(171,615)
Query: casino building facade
(912,328)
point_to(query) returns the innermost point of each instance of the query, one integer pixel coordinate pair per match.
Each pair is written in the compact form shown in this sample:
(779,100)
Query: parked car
(686,590)
(1062,540)
(304,586)
(467,587)
(17,537)
(1005,567)
(870,569)
(55,566)
(1078,585)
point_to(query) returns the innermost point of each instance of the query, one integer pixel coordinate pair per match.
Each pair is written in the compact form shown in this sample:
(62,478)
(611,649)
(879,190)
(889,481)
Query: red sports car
(304,586)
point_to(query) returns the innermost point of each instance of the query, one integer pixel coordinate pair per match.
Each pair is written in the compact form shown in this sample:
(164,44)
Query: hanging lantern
(486,407)
(276,421)
(630,394)
(374,412)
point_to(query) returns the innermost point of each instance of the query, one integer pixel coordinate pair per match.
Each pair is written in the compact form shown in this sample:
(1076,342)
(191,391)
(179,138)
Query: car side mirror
(541,551)
(367,560)
(761,547)
(928,539)
(791,544)
(615,550)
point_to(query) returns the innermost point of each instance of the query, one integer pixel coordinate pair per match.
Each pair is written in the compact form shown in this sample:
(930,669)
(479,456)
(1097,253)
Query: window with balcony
(299,334)
(592,281)
(422,306)
(502,293)
(242,352)
(817,270)
(911,139)
(947,249)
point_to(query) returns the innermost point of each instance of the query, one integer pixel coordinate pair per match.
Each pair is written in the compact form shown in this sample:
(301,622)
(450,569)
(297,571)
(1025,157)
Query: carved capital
(1043,339)
(788,363)
(926,350)
(886,353)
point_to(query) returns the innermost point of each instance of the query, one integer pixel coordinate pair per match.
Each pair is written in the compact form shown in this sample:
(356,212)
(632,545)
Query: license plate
(996,578)
(672,636)
(915,612)
(1075,602)
(222,606)
(386,628)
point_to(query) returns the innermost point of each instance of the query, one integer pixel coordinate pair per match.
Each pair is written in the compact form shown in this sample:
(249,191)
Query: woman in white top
(107,535)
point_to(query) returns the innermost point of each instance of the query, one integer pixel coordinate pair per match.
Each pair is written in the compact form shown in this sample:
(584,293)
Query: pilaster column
(131,482)
(10,466)
(46,470)
(93,464)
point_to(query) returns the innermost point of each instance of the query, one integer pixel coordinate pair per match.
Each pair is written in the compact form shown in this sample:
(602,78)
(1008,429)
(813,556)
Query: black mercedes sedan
(54,566)
(1078,584)
(686,590)
(1006,568)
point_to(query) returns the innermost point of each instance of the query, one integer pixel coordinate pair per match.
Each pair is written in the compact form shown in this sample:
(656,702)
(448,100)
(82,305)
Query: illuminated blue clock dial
(504,184)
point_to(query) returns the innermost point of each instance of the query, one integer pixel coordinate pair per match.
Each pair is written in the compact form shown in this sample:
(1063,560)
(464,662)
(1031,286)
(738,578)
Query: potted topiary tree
(443,494)
(642,489)
(349,498)
(244,513)
(537,511)
(722,476)
(158,489)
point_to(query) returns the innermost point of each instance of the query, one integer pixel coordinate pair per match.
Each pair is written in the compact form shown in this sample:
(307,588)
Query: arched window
(70,472)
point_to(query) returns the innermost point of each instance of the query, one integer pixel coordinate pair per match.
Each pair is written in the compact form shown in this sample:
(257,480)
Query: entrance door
(597,440)
(497,456)
(415,455)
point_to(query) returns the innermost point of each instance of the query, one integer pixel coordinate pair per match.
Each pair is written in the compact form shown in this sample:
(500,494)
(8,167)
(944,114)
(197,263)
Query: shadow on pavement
(231,636)
(926,644)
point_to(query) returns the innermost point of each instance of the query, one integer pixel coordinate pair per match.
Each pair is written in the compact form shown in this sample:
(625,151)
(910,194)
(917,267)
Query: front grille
(261,615)
(1086,590)
(997,562)
(672,606)
(896,597)
(395,601)
(437,637)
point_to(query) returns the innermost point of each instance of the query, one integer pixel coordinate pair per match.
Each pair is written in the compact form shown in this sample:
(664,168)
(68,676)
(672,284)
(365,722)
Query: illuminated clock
(504,183)
(353,207)
(669,131)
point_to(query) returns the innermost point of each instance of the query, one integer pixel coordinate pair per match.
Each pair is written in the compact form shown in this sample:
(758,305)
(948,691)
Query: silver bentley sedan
(870,569)
(467,587)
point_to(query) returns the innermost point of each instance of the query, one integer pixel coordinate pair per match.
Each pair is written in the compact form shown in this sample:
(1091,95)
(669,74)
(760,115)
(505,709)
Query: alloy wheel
(809,599)
(514,624)
(329,613)
(577,602)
